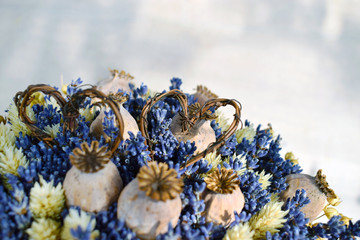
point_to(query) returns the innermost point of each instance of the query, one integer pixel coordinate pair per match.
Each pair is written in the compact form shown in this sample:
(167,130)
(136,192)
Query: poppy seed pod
(151,201)
(110,88)
(93,182)
(222,197)
(116,80)
(201,132)
(317,190)
(130,125)
(203,94)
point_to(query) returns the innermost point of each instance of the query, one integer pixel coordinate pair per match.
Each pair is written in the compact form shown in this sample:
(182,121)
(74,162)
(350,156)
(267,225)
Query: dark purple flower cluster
(192,223)
(15,216)
(336,229)
(111,227)
(295,226)
(267,151)
(131,156)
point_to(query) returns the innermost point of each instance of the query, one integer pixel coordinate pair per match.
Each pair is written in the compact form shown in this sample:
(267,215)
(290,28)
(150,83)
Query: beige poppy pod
(130,125)
(93,182)
(317,190)
(203,94)
(117,80)
(201,132)
(222,197)
(151,201)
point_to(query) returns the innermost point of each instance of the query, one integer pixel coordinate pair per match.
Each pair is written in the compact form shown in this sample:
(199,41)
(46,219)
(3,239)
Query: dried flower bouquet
(114,161)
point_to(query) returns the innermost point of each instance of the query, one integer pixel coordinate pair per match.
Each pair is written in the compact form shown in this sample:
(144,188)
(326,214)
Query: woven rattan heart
(70,109)
(189,120)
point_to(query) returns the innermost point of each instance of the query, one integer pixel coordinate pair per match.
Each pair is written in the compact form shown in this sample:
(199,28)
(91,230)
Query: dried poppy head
(200,130)
(117,80)
(224,197)
(90,159)
(159,182)
(151,201)
(203,94)
(195,109)
(224,182)
(121,74)
(118,97)
(317,190)
(111,89)
(94,182)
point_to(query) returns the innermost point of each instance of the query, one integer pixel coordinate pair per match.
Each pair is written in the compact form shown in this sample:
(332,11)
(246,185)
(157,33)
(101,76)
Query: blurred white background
(294,64)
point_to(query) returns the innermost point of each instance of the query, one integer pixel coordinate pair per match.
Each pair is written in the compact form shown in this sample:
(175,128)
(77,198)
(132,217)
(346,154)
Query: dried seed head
(159,182)
(90,159)
(117,80)
(122,74)
(118,97)
(146,217)
(225,182)
(313,191)
(203,94)
(223,198)
(206,92)
(324,186)
(195,109)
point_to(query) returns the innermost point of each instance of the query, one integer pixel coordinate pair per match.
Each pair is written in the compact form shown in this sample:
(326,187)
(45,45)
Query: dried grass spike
(224,182)
(90,159)
(159,182)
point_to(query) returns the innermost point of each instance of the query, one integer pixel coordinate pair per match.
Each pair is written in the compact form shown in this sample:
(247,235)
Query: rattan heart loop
(70,109)
(217,103)
(190,115)
(180,96)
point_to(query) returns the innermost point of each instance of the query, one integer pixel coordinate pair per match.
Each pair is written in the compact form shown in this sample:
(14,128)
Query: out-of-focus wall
(292,63)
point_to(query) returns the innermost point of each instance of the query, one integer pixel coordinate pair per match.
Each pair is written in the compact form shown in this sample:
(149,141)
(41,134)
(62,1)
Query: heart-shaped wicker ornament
(190,116)
(70,109)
